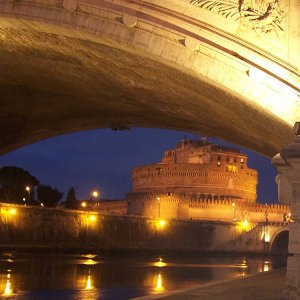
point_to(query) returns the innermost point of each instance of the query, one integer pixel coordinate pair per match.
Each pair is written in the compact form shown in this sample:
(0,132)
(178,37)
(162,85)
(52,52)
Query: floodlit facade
(200,180)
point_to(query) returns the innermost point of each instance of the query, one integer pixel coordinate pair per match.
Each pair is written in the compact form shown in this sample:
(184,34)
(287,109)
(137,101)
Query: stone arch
(279,242)
(86,65)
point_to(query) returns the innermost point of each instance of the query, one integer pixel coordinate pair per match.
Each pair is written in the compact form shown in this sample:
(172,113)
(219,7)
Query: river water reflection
(88,277)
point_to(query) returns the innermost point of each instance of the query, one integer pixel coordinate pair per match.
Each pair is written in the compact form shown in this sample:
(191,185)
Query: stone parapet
(168,206)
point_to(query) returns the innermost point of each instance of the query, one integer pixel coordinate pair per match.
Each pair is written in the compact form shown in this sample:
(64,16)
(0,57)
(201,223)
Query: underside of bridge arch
(280,243)
(54,81)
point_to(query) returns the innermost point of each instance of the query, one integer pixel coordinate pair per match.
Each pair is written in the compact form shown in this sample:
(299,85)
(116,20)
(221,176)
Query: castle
(200,180)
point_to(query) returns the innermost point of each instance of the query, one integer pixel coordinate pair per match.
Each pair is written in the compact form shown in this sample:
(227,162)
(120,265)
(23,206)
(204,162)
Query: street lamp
(158,200)
(233,208)
(28,189)
(95,195)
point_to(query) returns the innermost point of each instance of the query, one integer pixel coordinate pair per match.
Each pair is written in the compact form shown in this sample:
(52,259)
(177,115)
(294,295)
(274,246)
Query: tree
(13,183)
(48,195)
(71,202)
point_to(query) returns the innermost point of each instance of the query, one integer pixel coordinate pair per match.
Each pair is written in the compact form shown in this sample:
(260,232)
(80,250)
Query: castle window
(219,157)
(231,168)
(219,163)
(227,158)
(242,160)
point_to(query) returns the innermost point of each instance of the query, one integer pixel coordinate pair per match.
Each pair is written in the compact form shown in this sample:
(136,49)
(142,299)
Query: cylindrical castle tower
(195,170)
(198,169)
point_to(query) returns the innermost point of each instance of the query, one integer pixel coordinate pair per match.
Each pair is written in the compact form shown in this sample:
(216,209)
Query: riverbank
(131,252)
(263,286)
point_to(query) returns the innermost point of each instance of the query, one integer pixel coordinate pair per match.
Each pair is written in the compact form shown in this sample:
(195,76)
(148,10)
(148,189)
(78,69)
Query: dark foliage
(71,202)
(48,195)
(13,183)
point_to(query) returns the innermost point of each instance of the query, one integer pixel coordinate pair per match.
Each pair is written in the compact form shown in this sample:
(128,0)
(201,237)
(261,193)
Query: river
(90,276)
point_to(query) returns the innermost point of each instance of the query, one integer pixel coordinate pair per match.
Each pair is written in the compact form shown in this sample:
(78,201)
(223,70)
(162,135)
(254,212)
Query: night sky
(102,159)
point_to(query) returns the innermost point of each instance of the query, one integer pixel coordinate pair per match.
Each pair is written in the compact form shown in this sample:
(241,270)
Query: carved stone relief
(261,15)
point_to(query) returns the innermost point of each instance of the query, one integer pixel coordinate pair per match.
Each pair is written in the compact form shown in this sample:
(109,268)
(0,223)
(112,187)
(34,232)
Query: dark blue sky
(102,159)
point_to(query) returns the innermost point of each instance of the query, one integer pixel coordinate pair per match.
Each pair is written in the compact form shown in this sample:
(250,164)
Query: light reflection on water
(88,277)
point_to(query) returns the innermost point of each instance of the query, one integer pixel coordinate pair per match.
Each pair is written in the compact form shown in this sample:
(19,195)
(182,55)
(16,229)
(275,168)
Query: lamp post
(95,195)
(233,208)
(158,200)
(28,190)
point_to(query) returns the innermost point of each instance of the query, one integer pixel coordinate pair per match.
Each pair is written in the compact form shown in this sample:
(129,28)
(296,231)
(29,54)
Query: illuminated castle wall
(199,180)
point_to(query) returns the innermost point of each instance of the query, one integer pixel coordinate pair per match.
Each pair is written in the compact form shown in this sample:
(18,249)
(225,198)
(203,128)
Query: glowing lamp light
(159,285)
(244,225)
(90,262)
(95,194)
(12,211)
(160,263)
(267,238)
(266,266)
(160,224)
(8,289)
(92,218)
(89,285)
(83,204)
(27,188)
(244,264)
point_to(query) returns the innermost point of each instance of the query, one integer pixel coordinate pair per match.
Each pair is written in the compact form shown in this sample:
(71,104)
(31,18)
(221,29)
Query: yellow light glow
(267,238)
(244,225)
(266,267)
(160,263)
(8,289)
(159,285)
(92,218)
(27,188)
(160,224)
(12,211)
(230,168)
(90,262)
(83,204)
(89,285)
(95,194)
(244,264)
(266,235)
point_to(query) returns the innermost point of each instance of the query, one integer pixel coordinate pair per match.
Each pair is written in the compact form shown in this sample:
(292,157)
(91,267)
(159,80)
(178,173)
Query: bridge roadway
(71,65)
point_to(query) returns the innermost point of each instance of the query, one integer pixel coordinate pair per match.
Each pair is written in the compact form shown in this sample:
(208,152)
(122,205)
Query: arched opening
(280,243)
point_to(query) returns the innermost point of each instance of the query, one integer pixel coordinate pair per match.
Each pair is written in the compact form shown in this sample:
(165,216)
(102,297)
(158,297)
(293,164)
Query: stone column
(287,163)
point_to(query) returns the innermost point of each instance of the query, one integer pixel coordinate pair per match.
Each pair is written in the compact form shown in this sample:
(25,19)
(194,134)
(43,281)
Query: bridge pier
(287,163)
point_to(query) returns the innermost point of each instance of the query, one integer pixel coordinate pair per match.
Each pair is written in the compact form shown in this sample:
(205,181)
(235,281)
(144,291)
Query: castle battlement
(200,180)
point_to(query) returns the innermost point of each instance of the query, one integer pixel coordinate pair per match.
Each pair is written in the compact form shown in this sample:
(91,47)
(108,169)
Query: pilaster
(287,163)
